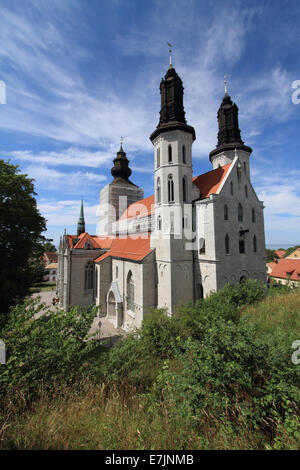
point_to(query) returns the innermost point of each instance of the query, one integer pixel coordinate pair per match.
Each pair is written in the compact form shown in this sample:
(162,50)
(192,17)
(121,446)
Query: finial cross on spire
(225,83)
(170,51)
(122,140)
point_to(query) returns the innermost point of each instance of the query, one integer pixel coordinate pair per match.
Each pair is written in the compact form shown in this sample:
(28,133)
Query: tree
(290,250)
(48,246)
(21,239)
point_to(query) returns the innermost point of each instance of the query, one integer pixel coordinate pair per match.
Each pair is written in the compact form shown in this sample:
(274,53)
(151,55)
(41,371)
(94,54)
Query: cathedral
(193,236)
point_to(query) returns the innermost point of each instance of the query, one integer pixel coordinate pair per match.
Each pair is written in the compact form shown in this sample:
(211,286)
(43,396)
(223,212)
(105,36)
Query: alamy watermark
(296,93)
(296,354)
(2,92)
(2,353)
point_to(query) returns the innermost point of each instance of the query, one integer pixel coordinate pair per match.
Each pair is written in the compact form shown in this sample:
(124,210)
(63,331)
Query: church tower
(81,222)
(116,196)
(172,141)
(230,143)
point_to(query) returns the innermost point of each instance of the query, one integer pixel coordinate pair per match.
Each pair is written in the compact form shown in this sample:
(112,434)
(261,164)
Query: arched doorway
(111,306)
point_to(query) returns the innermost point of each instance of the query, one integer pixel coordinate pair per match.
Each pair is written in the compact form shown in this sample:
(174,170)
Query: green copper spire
(81,222)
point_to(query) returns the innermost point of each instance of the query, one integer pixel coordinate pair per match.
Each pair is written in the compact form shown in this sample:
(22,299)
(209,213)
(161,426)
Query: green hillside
(217,375)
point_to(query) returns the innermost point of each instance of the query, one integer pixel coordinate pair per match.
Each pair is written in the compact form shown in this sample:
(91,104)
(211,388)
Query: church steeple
(121,171)
(81,222)
(229,135)
(172,114)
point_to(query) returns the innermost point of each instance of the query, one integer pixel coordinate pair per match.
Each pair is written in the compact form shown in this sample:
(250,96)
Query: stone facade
(195,235)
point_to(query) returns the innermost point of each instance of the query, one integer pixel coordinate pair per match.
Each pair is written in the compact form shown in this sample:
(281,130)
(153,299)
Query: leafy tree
(48,246)
(270,255)
(21,240)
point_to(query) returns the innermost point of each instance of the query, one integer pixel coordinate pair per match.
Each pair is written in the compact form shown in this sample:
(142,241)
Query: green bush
(42,350)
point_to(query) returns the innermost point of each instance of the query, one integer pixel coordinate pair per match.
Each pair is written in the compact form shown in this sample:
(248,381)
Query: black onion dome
(229,135)
(121,171)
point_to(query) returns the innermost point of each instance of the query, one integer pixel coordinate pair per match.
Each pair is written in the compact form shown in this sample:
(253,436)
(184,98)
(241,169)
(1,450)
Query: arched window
(138,228)
(246,190)
(169,153)
(184,189)
(253,215)
(130,292)
(254,244)
(158,194)
(170,189)
(183,154)
(240,213)
(117,272)
(202,246)
(89,276)
(231,188)
(245,167)
(225,212)
(227,246)
(158,157)
(239,173)
(242,245)
(243,279)
(159,222)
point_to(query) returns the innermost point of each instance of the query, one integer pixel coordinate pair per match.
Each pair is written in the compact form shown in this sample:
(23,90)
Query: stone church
(194,235)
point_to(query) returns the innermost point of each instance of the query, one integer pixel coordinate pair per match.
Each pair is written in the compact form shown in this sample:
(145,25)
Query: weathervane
(122,140)
(170,51)
(225,83)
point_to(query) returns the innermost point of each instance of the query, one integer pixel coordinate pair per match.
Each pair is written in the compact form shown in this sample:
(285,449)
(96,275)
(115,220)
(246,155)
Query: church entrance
(111,306)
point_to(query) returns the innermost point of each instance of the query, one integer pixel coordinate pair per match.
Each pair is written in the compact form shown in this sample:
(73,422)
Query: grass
(43,287)
(103,416)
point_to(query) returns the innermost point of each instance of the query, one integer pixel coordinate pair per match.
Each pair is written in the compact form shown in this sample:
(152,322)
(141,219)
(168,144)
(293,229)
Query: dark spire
(229,135)
(172,115)
(121,171)
(81,222)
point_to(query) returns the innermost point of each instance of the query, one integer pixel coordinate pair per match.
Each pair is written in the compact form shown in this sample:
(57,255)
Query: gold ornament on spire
(225,84)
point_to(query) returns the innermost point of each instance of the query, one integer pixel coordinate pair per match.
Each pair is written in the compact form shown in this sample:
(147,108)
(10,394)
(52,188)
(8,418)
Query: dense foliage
(21,226)
(290,250)
(217,374)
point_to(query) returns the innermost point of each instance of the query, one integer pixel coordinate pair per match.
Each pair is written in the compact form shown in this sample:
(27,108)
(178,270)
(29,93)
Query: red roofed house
(286,271)
(190,238)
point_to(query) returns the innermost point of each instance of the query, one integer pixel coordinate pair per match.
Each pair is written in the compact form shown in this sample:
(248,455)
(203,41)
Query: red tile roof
(97,242)
(52,256)
(209,183)
(138,209)
(285,266)
(128,248)
(280,253)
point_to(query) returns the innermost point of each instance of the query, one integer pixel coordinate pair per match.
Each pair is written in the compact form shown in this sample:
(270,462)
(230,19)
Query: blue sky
(80,74)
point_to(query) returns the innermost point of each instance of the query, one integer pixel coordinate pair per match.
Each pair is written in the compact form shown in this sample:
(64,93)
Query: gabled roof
(141,208)
(209,183)
(135,249)
(285,266)
(79,241)
(52,256)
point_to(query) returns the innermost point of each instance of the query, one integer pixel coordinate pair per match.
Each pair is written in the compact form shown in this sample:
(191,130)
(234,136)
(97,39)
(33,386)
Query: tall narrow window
(225,212)
(242,245)
(89,276)
(169,153)
(170,189)
(117,272)
(239,173)
(158,194)
(240,213)
(184,189)
(159,222)
(227,247)
(246,191)
(172,222)
(183,154)
(158,157)
(253,215)
(130,292)
(254,244)
(245,167)
(231,188)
